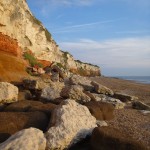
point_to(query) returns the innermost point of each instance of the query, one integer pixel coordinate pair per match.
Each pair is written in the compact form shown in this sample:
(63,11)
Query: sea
(138,79)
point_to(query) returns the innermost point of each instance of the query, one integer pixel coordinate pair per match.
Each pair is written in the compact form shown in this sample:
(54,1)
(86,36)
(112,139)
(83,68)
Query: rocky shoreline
(73,112)
(47,103)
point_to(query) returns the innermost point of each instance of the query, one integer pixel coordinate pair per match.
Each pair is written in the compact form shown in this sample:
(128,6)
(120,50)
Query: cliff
(18,23)
(12,66)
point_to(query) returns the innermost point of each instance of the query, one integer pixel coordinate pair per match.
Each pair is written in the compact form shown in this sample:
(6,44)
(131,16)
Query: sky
(113,34)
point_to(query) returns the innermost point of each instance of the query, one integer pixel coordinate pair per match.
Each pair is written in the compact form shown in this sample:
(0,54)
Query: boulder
(24,95)
(55,76)
(70,123)
(59,70)
(2,106)
(22,106)
(140,105)
(100,89)
(52,92)
(28,106)
(36,83)
(116,102)
(12,122)
(8,93)
(104,98)
(91,95)
(27,139)
(83,81)
(82,145)
(108,138)
(75,92)
(124,97)
(101,110)
(46,108)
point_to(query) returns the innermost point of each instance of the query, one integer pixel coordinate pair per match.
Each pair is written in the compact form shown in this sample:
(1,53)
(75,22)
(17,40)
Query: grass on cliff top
(86,63)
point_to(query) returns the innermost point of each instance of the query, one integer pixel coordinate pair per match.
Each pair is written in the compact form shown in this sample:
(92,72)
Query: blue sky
(114,34)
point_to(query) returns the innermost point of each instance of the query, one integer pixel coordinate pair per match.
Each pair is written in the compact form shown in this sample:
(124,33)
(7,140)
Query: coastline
(137,79)
(129,120)
(141,90)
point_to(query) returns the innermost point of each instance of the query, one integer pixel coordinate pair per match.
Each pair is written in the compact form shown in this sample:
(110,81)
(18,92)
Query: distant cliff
(18,23)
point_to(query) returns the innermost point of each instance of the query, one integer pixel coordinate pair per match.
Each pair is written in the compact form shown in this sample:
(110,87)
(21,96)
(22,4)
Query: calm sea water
(139,79)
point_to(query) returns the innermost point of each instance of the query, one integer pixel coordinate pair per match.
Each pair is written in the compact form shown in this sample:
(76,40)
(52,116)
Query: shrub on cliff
(32,60)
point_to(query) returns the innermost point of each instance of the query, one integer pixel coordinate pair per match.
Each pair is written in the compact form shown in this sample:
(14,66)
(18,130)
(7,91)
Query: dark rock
(108,138)
(12,122)
(28,106)
(101,110)
(22,106)
(124,97)
(59,70)
(82,145)
(46,108)
(140,105)
(24,95)
(55,77)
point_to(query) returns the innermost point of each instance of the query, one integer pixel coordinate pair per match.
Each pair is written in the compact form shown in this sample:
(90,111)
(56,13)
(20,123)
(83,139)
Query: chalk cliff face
(18,23)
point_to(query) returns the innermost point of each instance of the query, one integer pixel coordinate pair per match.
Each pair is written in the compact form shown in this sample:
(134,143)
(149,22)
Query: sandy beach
(131,121)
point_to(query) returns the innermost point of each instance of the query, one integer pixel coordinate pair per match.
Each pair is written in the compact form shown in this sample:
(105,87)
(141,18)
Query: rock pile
(59,114)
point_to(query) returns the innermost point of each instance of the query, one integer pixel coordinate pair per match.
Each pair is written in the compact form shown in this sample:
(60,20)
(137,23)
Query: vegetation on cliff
(32,60)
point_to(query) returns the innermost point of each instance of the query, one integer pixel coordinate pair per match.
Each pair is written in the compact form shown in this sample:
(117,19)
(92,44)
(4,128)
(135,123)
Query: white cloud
(115,53)
(72,2)
(133,32)
(69,2)
(84,26)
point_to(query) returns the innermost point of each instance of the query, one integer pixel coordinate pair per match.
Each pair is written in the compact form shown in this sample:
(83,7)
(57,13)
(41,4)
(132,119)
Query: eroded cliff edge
(18,23)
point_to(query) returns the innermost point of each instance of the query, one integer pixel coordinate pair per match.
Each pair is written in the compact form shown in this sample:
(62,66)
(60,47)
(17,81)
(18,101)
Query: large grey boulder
(116,102)
(27,139)
(101,89)
(8,93)
(83,81)
(75,92)
(104,98)
(55,76)
(52,92)
(36,83)
(60,70)
(70,123)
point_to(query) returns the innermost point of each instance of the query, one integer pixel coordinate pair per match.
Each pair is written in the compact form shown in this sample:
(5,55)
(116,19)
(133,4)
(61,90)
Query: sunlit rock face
(17,22)
(12,65)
